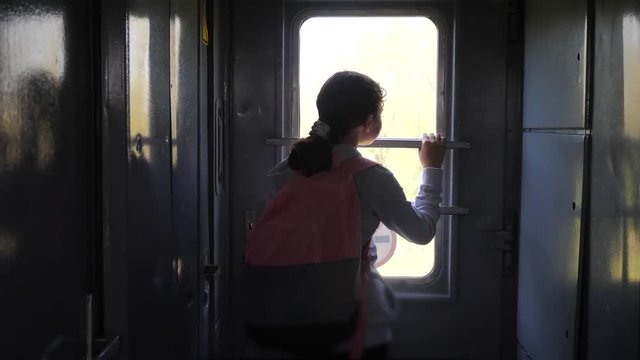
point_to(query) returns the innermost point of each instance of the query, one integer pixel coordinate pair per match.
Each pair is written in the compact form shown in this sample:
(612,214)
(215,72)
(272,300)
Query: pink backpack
(304,262)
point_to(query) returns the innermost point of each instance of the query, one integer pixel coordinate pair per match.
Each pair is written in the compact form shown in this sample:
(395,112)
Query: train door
(48,185)
(448,66)
(154,199)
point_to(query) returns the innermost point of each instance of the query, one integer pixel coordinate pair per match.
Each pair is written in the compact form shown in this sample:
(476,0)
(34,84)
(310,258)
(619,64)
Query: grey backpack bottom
(320,337)
(297,307)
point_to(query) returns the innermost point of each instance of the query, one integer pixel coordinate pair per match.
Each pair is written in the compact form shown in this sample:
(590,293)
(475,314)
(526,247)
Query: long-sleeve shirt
(382,200)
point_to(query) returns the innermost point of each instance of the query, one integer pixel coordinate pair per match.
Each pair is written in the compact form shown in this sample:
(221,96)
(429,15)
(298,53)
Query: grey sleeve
(416,222)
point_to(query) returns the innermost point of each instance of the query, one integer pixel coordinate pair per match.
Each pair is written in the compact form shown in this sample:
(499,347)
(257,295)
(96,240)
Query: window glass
(401,53)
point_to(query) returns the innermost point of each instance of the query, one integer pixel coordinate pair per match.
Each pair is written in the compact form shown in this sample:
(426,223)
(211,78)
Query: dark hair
(344,102)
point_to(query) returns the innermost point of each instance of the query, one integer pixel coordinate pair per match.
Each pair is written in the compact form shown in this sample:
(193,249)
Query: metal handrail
(403,143)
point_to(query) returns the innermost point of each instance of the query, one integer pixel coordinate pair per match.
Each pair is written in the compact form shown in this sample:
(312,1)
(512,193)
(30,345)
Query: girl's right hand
(432,150)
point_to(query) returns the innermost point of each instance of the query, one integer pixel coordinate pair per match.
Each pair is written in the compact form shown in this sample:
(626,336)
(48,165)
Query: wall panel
(613,316)
(550,238)
(555,64)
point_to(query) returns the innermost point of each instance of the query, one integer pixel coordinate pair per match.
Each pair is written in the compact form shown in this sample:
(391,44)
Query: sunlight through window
(400,53)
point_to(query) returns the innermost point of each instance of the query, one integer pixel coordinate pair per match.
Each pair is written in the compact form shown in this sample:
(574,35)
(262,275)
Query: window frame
(439,284)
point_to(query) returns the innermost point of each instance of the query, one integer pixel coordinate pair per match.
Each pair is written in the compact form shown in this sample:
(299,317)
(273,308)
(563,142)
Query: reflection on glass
(625,259)
(30,44)
(8,246)
(632,252)
(631,68)
(174,74)
(626,264)
(139,86)
(401,53)
(32,65)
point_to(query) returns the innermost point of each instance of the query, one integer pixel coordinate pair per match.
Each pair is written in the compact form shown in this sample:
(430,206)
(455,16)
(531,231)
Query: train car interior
(136,137)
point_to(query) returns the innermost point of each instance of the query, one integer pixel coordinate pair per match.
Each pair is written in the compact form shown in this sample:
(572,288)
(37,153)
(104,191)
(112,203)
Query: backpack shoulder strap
(356,164)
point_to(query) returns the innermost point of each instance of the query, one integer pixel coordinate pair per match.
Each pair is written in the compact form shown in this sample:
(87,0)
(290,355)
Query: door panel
(47,181)
(184,46)
(218,110)
(152,260)
(470,326)
(151,154)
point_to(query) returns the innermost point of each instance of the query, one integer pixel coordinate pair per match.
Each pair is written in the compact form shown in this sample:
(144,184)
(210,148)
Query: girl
(349,107)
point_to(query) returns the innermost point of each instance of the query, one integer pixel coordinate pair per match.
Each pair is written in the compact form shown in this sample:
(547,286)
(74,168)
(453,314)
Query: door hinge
(502,239)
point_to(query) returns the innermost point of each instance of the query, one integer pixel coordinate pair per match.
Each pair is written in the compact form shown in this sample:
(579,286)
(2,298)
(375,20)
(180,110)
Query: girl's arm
(416,221)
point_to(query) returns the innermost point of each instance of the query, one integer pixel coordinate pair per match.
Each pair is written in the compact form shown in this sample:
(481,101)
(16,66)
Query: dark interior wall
(47,182)
(613,302)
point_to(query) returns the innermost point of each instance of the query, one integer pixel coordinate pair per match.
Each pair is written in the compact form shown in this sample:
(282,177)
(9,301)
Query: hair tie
(320,129)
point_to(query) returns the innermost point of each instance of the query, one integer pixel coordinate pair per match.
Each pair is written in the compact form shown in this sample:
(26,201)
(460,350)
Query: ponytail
(311,155)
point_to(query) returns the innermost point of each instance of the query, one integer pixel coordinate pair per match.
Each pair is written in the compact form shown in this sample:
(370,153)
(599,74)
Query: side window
(401,53)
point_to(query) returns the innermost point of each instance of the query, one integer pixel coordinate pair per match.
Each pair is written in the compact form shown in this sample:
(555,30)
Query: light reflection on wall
(139,87)
(32,65)
(633,253)
(175,38)
(625,262)
(631,68)
(630,252)
(8,246)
